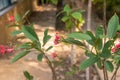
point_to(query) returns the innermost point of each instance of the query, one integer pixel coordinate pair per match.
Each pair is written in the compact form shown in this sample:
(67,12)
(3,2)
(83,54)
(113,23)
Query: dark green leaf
(106,52)
(93,39)
(99,64)
(16,32)
(99,31)
(112,26)
(26,46)
(98,44)
(28,76)
(40,56)
(30,33)
(88,62)
(89,54)
(109,66)
(46,37)
(50,47)
(80,36)
(20,55)
(73,41)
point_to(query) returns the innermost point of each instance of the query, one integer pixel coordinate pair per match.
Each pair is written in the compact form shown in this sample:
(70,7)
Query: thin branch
(114,74)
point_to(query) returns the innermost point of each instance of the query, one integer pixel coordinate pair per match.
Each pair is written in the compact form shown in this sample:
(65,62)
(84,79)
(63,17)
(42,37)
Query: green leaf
(40,56)
(73,41)
(80,36)
(99,31)
(109,66)
(93,39)
(112,26)
(18,18)
(26,45)
(98,44)
(46,37)
(106,49)
(30,33)
(99,64)
(65,18)
(16,32)
(69,24)
(67,9)
(77,15)
(88,62)
(50,47)
(54,2)
(20,55)
(28,76)
(89,54)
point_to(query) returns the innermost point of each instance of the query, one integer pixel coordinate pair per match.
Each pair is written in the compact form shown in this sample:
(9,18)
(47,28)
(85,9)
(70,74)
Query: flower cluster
(6,49)
(117,47)
(57,39)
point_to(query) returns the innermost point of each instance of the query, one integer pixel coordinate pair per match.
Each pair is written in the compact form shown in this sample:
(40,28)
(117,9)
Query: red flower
(2,49)
(57,38)
(12,18)
(53,55)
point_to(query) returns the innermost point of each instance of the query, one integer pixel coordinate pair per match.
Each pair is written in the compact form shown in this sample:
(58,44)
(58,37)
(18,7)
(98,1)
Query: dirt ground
(44,17)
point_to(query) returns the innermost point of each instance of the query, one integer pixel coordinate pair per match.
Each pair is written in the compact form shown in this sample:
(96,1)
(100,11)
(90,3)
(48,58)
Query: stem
(114,74)
(54,77)
(104,16)
(105,71)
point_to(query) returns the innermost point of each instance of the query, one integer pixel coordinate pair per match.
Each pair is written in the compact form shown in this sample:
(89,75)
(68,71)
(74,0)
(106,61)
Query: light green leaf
(40,56)
(88,62)
(109,66)
(54,1)
(16,32)
(112,26)
(65,18)
(20,55)
(77,15)
(30,33)
(67,9)
(18,17)
(80,36)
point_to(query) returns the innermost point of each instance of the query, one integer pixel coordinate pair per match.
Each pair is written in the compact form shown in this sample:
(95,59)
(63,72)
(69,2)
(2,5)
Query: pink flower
(10,50)
(117,46)
(2,49)
(113,50)
(12,18)
(57,39)
(53,55)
